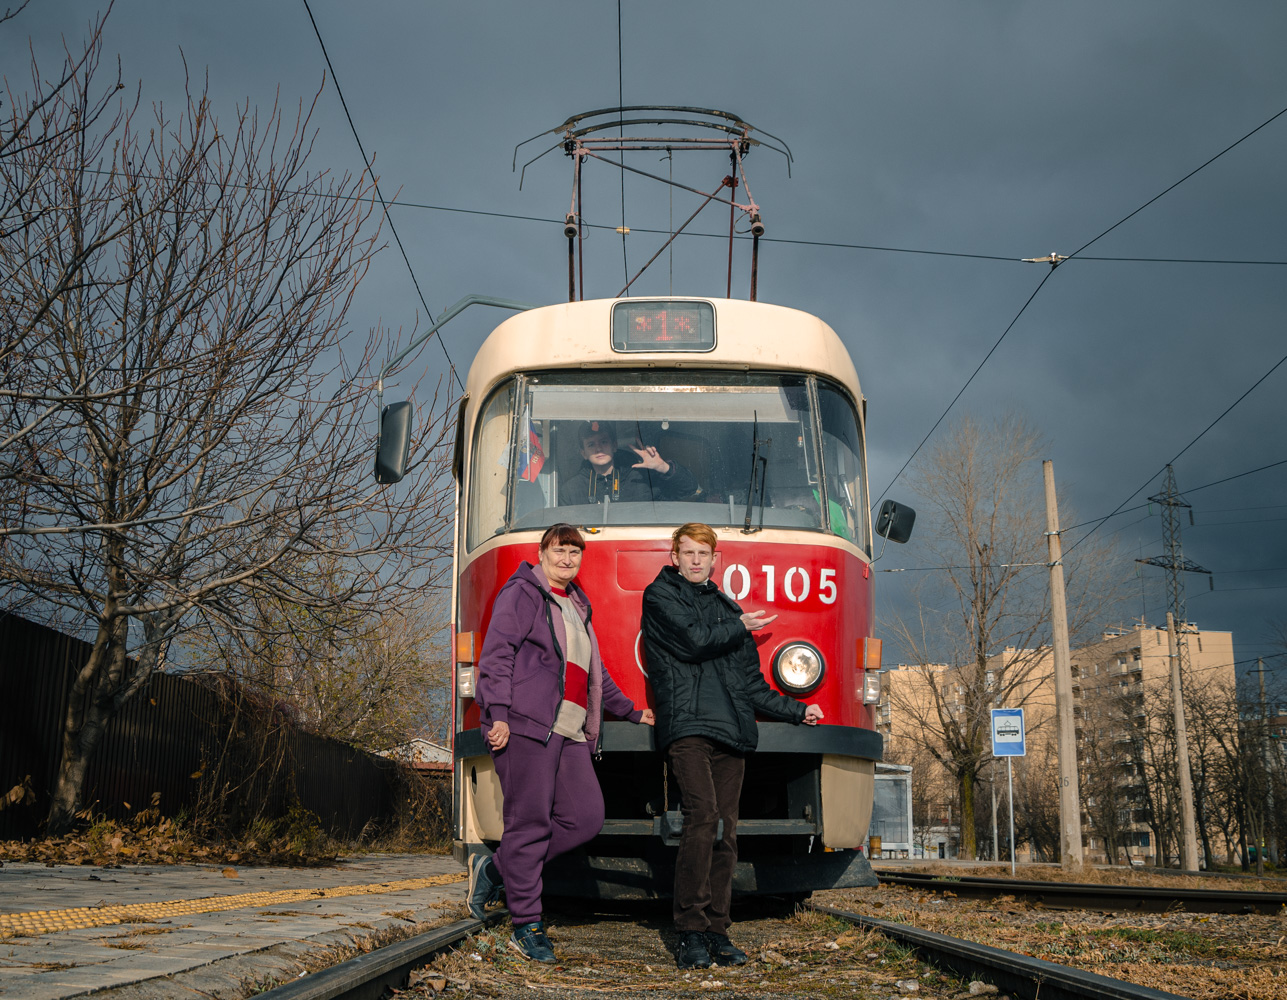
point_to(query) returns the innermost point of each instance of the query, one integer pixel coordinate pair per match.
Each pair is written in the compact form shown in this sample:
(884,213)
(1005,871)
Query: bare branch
(189,414)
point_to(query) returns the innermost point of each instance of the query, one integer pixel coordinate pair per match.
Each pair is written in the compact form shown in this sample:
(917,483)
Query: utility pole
(996,843)
(1069,799)
(1176,627)
(1188,829)
(1262,738)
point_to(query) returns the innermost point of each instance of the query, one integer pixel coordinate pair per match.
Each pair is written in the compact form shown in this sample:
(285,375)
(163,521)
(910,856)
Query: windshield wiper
(759,468)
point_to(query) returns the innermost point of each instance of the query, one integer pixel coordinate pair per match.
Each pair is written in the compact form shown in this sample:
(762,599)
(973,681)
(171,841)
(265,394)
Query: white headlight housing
(871,687)
(798,668)
(465,680)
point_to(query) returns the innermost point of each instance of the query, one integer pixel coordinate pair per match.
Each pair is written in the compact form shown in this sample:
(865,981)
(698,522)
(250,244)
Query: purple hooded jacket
(521,668)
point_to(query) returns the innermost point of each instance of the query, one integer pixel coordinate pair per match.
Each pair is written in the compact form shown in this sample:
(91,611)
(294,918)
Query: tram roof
(754,335)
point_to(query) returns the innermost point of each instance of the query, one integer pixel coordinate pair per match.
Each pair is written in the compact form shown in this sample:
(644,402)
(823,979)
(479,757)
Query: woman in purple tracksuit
(542,691)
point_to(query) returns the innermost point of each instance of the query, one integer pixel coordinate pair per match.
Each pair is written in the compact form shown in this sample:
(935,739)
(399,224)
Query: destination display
(639,326)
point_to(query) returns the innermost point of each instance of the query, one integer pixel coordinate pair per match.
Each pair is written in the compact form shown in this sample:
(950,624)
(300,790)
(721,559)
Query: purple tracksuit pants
(553,803)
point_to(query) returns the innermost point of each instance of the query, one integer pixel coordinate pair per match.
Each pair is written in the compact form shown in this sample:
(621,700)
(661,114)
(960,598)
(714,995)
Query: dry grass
(1102,876)
(792,955)
(150,838)
(325,958)
(1205,955)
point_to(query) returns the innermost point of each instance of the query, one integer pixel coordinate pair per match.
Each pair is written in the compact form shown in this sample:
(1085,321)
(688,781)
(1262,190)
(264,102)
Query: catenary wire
(1226,479)
(1195,170)
(1231,510)
(961,391)
(1234,590)
(388,218)
(1195,489)
(781,240)
(1084,246)
(1225,524)
(1200,435)
(621,103)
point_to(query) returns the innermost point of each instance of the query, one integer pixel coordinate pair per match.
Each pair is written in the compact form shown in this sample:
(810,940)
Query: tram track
(369,976)
(1016,975)
(1085,896)
(1020,975)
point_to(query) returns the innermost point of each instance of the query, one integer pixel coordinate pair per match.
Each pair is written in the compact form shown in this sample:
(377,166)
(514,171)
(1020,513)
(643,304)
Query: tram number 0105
(794,584)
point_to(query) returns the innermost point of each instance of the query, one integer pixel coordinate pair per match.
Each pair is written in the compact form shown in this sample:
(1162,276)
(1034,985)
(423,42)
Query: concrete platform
(179,931)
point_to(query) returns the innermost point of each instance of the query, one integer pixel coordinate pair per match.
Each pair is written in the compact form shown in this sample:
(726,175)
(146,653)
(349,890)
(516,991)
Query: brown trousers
(710,781)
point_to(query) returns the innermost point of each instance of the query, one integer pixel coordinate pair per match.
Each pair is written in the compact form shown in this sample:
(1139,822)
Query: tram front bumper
(654,877)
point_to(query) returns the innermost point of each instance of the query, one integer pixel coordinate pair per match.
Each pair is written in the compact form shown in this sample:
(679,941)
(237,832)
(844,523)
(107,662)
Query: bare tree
(1036,799)
(1110,787)
(930,790)
(197,414)
(1153,751)
(1240,751)
(42,129)
(372,677)
(987,536)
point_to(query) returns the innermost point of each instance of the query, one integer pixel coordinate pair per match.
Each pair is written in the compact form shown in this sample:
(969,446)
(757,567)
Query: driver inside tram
(616,475)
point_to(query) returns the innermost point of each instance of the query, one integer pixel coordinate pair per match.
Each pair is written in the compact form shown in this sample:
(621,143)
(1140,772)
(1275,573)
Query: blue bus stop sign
(1007,732)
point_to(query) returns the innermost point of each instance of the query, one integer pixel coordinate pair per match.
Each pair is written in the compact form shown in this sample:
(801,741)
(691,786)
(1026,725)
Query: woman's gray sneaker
(485,884)
(529,940)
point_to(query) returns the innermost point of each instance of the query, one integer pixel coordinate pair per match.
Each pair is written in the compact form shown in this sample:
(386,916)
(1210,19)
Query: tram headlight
(798,668)
(465,680)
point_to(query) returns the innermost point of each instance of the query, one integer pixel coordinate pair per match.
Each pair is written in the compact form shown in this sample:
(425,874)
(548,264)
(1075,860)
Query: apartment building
(1110,678)
(1112,682)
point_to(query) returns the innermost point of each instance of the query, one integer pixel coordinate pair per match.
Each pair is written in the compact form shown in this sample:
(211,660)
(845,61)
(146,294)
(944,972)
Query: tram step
(745,827)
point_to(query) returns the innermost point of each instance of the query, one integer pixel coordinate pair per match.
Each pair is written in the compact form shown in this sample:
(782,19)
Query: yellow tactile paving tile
(45,921)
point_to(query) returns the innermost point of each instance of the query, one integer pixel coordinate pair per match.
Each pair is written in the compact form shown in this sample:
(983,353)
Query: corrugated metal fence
(177,738)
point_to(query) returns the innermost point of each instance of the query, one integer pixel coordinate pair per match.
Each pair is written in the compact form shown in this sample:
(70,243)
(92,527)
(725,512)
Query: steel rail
(367,976)
(1019,975)
(1082,896)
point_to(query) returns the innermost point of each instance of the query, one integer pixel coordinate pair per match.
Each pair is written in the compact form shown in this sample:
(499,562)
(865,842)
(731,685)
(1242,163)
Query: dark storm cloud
(1000,128)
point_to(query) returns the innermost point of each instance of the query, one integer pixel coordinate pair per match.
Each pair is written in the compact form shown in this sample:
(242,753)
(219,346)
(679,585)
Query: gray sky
(1005,129)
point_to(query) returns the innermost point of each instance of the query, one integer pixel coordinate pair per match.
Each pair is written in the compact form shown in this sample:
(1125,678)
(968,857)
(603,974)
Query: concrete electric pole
(1069,798)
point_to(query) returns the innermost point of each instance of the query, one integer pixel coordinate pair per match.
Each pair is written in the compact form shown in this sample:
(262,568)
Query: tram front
(744,416)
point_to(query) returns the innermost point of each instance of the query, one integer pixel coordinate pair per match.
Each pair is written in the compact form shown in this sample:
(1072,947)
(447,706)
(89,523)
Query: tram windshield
(654,448)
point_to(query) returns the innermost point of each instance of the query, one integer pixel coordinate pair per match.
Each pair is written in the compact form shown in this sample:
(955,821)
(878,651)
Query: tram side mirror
(395,443)
(895,521)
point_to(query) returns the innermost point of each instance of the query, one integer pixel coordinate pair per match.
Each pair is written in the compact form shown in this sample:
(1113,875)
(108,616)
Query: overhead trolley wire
(1183,260)
(1201,434)
(1195,489)
(1271,465)
(1195,170)
(1054,264)
(621,131)
(827,244)
(961,391)
(379,194)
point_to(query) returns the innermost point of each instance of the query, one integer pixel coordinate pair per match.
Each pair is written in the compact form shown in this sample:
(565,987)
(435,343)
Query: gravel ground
(1209,956)
(631,955)
(801,953)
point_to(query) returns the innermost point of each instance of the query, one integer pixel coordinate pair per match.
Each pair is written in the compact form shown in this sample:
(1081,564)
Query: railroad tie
(47,921)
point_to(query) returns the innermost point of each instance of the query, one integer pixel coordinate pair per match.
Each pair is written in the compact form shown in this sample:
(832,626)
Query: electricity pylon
(1176,627)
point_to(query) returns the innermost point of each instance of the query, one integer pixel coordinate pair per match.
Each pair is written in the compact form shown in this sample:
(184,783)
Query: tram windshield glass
(664,448)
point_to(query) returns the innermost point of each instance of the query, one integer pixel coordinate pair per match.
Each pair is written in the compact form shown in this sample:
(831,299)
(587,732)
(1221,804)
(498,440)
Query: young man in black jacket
(705,674)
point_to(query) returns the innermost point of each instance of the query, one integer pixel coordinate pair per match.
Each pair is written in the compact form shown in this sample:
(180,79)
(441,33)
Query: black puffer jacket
(704,667)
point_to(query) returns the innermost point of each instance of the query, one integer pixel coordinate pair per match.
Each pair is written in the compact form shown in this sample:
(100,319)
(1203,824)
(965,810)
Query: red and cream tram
(762,405)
